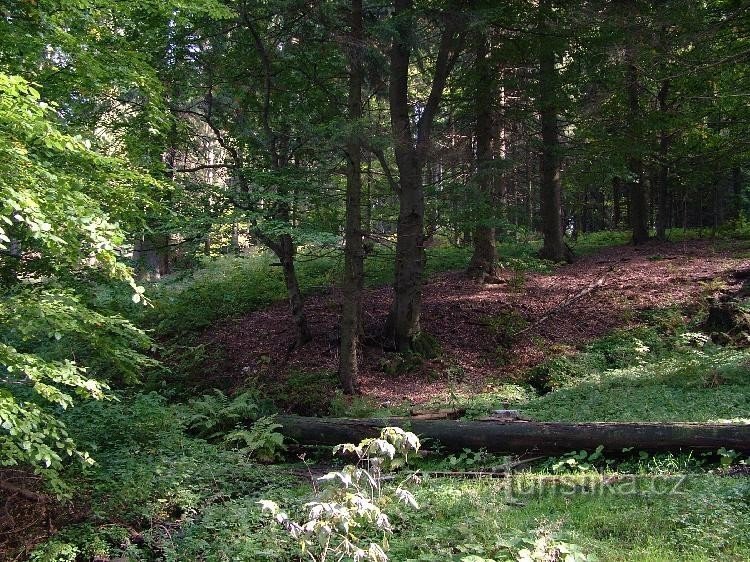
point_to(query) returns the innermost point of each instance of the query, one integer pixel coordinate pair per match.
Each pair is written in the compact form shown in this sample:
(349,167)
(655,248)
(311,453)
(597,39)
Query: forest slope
(472,322)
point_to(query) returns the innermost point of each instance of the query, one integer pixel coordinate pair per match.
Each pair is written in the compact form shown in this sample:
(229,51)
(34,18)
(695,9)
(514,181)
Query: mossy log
(524,436)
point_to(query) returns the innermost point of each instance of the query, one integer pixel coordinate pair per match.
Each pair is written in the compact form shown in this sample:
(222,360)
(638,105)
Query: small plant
(505,326)
(349,507)
(545,546)
(554,374)
(710,288)
(293,394)
(727,457)
(580,461)
(343,406)
(468,459)
(542,545)
(517,281)
(261,441)
(214,415)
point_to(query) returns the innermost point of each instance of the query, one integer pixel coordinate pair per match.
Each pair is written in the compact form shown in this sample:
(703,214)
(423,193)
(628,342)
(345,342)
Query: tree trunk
(662,174)
(285,253)
(403,321)
(737,202)
(353,252)
(638,199)
(522,436)
(402,326)
(616,202)
(151,256)
(234,247)
(554,247)
(483,264)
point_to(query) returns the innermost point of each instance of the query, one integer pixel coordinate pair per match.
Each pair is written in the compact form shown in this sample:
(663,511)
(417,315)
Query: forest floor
(474,322)
(632,349)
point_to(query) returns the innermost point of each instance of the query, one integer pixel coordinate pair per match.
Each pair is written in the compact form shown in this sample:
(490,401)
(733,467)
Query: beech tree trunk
(523,437)
(402,326)
(550,191)
(351,315)
(483,264)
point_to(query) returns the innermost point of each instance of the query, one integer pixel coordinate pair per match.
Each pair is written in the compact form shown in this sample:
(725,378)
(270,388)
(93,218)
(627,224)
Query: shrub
(350,507)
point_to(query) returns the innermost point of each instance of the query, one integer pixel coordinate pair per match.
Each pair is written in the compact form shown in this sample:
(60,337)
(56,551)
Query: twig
(580,294)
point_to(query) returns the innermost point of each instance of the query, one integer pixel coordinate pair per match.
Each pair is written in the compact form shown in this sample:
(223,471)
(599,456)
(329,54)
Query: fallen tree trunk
(523,436)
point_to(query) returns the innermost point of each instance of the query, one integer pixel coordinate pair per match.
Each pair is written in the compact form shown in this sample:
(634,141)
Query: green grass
(188,499)
(711,385)
(706,518)
(656,372)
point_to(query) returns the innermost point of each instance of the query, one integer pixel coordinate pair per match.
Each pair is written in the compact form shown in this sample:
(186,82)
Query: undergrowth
(177,482)
(659,370)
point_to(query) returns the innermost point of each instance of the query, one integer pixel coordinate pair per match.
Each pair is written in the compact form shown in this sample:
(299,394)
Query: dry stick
(582,293)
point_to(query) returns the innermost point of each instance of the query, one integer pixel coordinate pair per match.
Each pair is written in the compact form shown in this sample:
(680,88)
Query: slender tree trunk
(638,198)
(737,204)
(354,252)
(286,254)
(235,243)
(483,264)
(403,326)
(616,202)
(554,247)
(662,174)
(151,256)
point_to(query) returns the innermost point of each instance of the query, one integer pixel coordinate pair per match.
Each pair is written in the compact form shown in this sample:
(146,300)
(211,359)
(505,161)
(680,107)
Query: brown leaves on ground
(29,515)
(464,317)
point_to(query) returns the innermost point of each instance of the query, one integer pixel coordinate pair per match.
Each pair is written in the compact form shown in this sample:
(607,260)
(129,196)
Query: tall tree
(351,316)
(483,264)
(554,247)
(633,139)
(410,144)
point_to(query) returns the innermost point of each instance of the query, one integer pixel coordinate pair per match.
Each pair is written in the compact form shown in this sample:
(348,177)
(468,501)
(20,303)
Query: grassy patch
(706,518)
(690,385)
